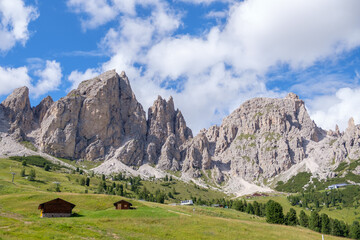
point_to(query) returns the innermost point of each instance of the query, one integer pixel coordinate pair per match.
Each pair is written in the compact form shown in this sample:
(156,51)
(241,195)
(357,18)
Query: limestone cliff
(18,110)
(100,116)
(101,120)
(167,132)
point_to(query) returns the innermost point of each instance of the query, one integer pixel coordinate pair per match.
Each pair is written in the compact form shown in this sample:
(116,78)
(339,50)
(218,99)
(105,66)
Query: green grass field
(96,217)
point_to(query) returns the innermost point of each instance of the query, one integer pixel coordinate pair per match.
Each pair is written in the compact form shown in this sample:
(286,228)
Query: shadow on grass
(77,215)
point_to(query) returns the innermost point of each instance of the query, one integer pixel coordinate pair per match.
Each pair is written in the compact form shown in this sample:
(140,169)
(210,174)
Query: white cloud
(295,32)
(327,111)
(14,20)
(77,77)
(204,1)
(99,11)
(217,14)
(226,65)
(260,34)
(11,78)
(48,77)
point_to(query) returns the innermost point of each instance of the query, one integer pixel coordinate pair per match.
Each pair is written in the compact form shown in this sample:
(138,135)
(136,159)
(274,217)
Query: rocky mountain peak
(351,123)
(18,110)
(165,125)
(291,96)
(92,121)
(101,120)
(41,109)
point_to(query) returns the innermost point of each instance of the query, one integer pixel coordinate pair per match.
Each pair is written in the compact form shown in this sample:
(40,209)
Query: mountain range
(262,142)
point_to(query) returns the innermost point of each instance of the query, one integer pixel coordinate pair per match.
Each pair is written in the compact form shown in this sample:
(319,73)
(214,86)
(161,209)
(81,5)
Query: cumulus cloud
(100,12)
(11,78)
(77,77)
(211,74)
(14,20)
(204,1)
(48,78)
(329,110)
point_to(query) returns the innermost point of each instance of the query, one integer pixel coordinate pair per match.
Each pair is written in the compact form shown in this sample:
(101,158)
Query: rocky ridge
(261,142)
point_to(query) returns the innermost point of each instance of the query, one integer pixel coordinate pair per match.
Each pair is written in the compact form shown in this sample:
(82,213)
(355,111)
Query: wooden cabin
(56,208)
(122,204)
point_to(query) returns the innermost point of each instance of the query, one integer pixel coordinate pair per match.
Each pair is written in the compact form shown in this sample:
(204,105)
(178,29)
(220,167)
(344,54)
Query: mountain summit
(261,142)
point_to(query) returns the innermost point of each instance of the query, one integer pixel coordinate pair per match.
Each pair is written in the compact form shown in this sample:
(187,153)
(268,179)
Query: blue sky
(210,55)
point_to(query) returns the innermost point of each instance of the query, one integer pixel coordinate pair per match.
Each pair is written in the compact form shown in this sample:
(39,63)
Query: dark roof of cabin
(122,201)
(56,201)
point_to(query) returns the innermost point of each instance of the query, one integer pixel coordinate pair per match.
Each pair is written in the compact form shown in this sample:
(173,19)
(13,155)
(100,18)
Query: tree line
(321,223)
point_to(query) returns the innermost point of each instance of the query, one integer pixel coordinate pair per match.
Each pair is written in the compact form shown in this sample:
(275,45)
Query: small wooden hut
(122,204)
(56,208)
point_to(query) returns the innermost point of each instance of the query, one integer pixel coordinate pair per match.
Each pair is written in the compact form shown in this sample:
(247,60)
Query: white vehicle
(187,202)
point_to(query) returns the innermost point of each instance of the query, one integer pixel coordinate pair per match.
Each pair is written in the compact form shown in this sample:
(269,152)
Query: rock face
(167,131)
(18,110)
(101,120)
(260,139)
(41,109)
(347,146)
(100,116)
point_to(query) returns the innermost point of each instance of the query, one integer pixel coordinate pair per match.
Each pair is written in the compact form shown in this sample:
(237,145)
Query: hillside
(95,217)
(259,146)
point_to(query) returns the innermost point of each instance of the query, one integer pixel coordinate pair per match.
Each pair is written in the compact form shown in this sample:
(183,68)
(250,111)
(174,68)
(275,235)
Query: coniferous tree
(274,212)
(32,175)
(303,219)
(257,210)
(249,208)
(355,230)
(82,181)
(292,218)
(344,229)
(46,167)
(22,173)
(314,222)
(336,228)
(325,224)
(121,190)
(87,183)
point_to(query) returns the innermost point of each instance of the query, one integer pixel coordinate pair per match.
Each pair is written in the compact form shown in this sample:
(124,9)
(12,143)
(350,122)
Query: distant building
(122,204)
(335,186)
(187,202)
(56,208)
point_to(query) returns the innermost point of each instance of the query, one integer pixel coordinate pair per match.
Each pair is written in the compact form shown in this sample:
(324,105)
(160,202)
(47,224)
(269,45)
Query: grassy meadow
(96,218)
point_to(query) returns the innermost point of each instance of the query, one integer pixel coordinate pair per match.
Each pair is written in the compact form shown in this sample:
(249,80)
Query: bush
(32,175)
(87,183)
(22,173)
(46,167)
(82,181)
